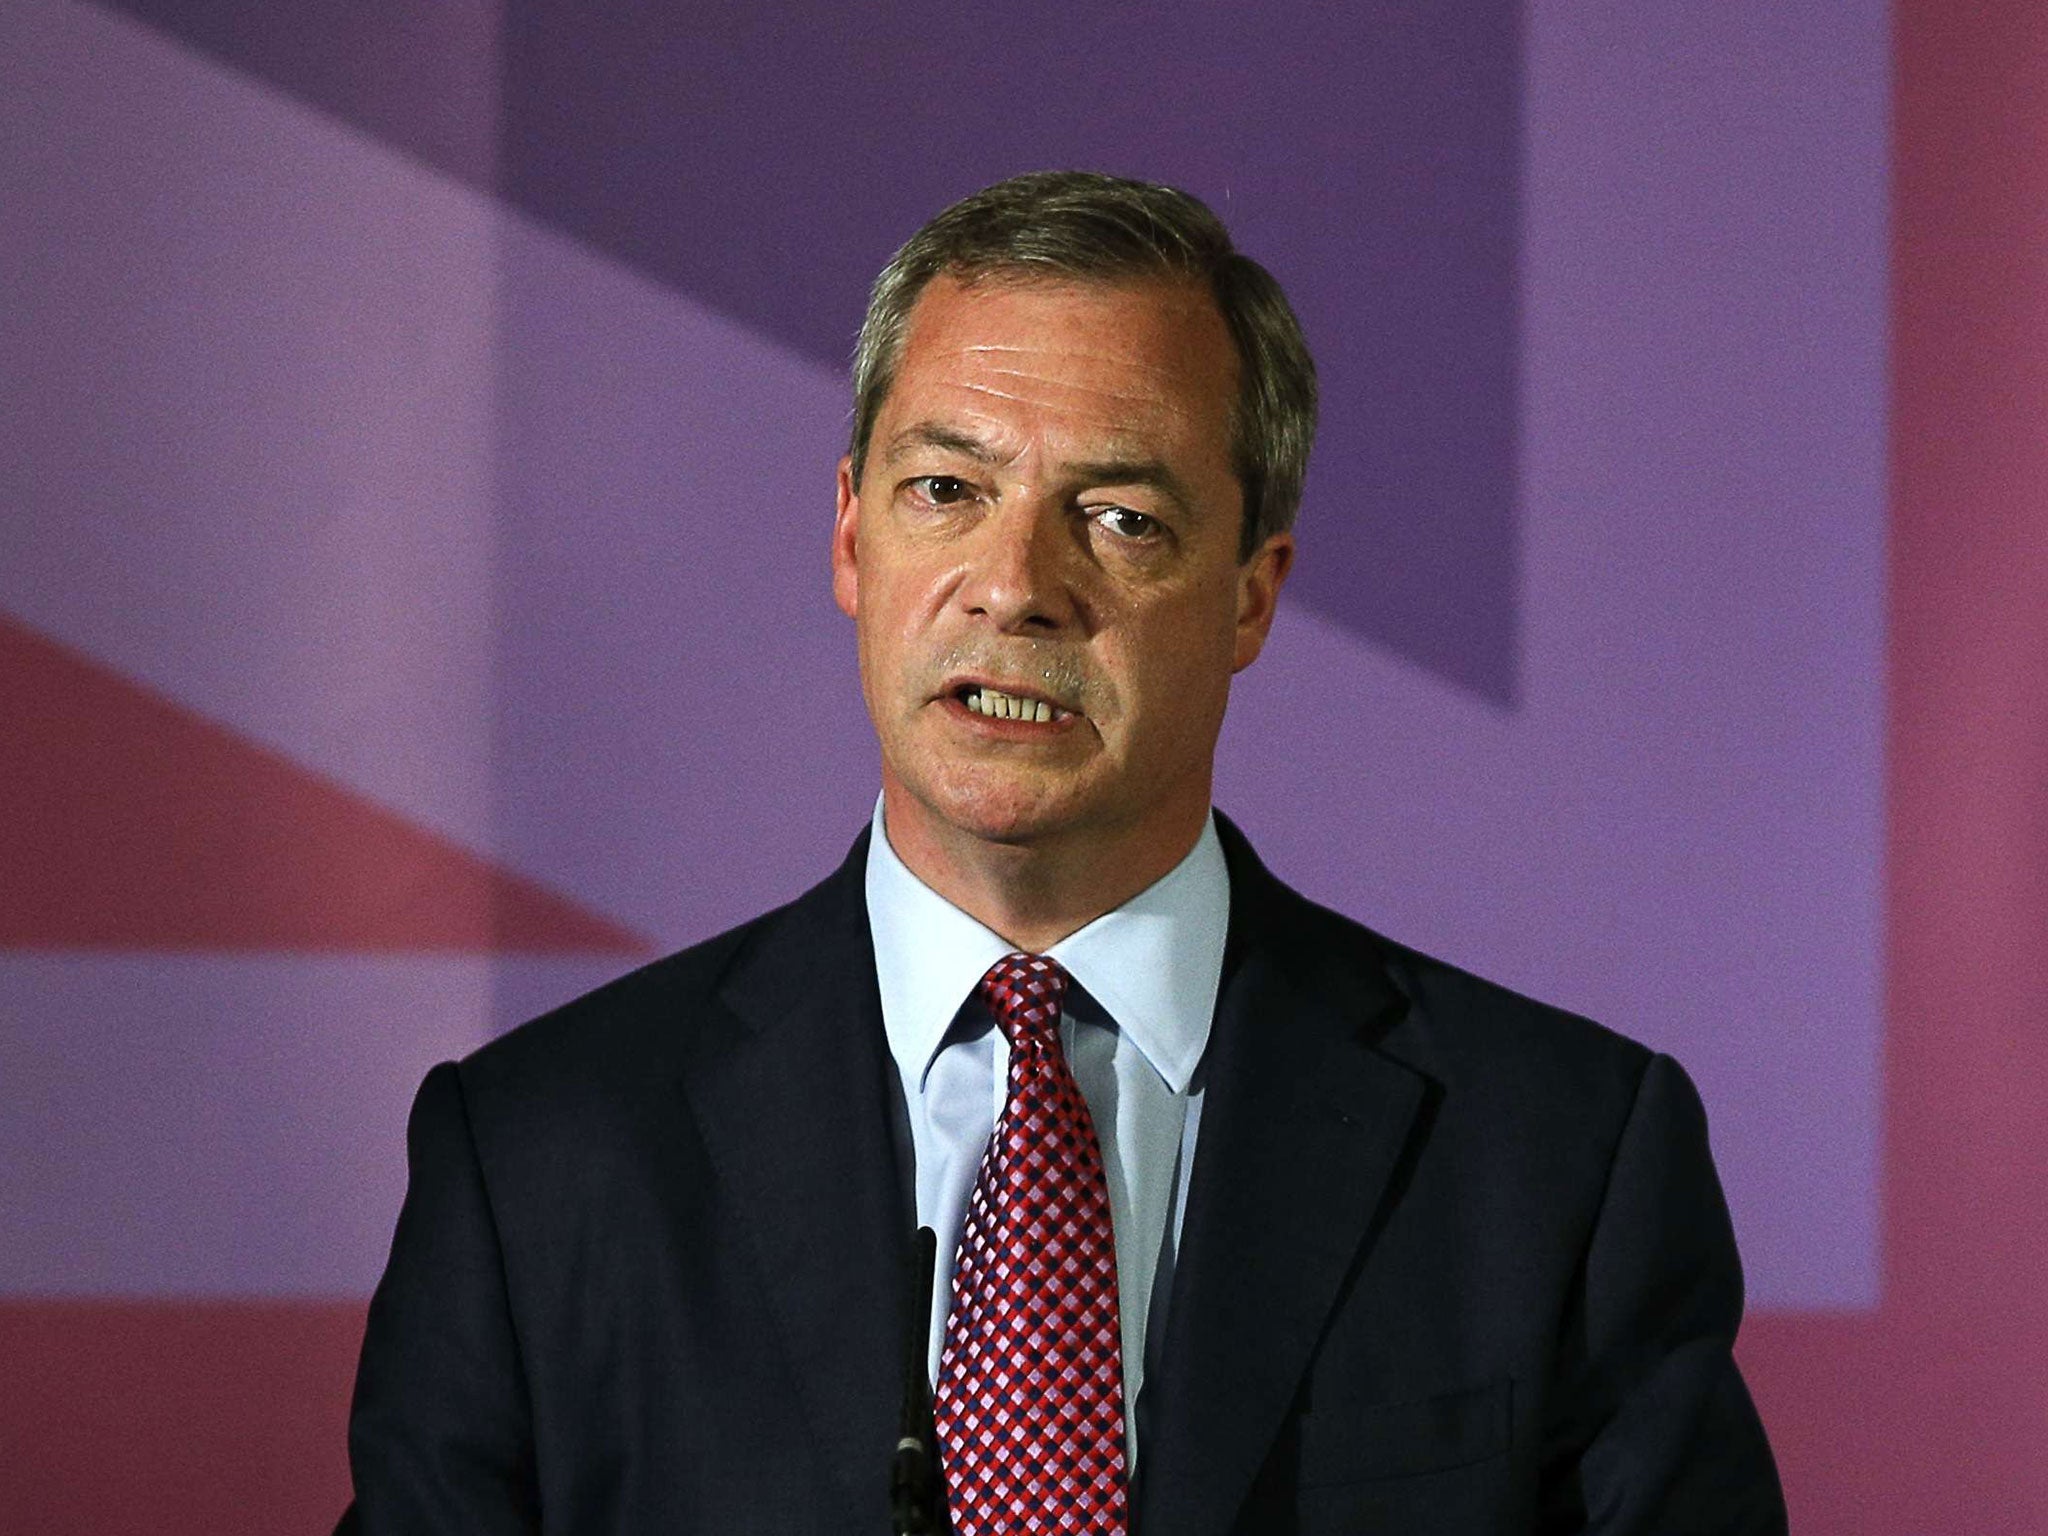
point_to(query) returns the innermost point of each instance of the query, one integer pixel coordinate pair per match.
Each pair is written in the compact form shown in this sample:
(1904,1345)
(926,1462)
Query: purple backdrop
(464,434)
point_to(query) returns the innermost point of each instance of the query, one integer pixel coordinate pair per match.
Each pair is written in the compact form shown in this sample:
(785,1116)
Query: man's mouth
(997,705)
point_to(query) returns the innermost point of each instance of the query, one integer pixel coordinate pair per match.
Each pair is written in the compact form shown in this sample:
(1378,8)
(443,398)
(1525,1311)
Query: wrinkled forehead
(1145,356)
(1170,306)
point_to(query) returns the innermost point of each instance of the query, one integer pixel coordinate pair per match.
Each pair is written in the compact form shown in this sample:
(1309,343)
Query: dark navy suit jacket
(1452,1261)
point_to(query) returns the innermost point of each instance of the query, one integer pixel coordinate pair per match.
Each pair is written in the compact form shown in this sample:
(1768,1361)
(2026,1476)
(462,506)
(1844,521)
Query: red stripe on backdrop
(228,1418)
(137,824)
(1933,1415)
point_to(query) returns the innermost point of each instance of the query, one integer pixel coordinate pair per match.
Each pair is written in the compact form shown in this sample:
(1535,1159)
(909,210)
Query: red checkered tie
(1030,1400)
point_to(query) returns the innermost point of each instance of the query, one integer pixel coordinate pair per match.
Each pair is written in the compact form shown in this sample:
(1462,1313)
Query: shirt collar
(1153,963)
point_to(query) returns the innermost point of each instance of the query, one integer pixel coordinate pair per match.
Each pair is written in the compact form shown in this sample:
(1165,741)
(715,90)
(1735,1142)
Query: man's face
(1041,561)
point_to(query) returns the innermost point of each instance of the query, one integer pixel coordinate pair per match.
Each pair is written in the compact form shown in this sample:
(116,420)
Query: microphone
(916,1498)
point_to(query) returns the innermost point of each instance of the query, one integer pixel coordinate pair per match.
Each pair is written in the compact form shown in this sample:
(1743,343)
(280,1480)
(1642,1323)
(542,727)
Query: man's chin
(1010,820)
(1000,808)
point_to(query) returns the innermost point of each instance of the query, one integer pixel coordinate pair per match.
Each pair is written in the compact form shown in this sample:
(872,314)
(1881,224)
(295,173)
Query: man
(1249,1220)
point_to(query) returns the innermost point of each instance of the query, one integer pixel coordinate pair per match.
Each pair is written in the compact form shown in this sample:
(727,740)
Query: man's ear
(845,534)
(1259,580)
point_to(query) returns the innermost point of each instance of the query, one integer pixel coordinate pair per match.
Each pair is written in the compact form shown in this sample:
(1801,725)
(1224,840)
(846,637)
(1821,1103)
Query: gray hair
(1080,224)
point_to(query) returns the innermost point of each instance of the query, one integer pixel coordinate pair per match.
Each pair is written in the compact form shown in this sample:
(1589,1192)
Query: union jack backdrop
(416,438)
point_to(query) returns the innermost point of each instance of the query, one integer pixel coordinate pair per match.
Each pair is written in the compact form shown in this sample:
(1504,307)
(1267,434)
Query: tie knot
(1024,992)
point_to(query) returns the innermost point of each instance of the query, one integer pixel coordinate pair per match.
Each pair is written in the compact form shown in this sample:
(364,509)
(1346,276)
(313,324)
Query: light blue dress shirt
(1134,1033)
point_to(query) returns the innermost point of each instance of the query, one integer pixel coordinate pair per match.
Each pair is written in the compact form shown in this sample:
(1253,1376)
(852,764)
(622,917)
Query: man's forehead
(1127,351)
(1055,300)
(966,438)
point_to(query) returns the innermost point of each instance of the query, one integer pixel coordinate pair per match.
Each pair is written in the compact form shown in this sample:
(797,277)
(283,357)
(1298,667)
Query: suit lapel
(1304,1123)
(794,1105)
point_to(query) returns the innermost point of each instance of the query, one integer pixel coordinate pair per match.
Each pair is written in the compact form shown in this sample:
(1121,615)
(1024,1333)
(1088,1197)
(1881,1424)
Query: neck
(1035,892)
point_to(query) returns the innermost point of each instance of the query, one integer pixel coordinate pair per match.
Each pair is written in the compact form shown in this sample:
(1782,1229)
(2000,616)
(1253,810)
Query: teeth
(1004,706)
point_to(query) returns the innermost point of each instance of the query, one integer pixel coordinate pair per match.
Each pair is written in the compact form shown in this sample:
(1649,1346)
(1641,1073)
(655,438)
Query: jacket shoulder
(1530,1102)
(1450,1023)
(1477,1022)
(643,1024)
(617,1014)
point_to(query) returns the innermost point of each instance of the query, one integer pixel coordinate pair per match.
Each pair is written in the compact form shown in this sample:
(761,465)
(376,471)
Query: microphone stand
(917,1499)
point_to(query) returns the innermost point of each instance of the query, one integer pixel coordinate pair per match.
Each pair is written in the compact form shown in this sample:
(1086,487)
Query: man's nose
(1021,576)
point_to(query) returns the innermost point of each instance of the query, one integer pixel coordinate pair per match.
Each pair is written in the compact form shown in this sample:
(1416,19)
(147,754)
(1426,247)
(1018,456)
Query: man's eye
(943,490)
(1126,524)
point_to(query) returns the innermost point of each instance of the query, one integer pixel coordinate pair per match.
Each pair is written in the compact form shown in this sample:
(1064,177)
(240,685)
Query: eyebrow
(930,434)
(1146,472)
